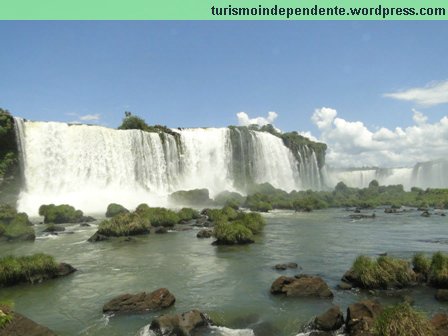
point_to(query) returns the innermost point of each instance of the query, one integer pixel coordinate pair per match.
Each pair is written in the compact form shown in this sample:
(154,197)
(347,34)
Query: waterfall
(92,166)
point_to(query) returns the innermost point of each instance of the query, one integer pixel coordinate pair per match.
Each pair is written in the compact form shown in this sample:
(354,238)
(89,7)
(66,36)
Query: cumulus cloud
(244,120)
(351,143)
(434,93)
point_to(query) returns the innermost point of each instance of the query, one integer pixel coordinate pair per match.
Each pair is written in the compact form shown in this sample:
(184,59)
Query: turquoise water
(230,283)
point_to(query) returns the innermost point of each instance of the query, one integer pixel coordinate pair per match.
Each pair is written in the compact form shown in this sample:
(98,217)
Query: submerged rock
(361,216)
(180,324)
(282,267)
(160,230)
(158,299)
(97,237)
(425,214)
(301,285)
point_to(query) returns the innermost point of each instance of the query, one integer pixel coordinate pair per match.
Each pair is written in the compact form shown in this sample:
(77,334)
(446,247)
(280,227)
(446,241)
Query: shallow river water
(229,283)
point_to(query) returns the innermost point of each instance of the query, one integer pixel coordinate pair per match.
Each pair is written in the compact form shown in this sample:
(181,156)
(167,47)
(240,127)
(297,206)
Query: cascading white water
(92,166)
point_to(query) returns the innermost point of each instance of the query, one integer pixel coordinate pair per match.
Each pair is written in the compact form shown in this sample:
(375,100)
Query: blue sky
(202,73)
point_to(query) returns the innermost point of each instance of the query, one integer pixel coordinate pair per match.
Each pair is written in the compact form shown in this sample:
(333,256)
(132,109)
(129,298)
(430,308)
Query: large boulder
(205,233)
(301,285)
(361,317)
(114,209)
(159,299)
(332,319)
(180,324)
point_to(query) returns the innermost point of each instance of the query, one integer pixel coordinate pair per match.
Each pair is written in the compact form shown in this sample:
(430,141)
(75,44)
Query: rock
(361,317)
(425,214)
(87,219)
(301,286)
(160,230)
(282,267)
(84,224)
(332,319)
(344,285)
(23,326)
(200,221)
(159,299)
(442,294)
(114,209)
(440,324)
(54,228)
(390,210)
(97,237)
(361,216)
(65,269)
(180,324)
(205,233)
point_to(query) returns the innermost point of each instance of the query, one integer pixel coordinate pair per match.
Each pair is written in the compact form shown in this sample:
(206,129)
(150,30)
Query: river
(229,283)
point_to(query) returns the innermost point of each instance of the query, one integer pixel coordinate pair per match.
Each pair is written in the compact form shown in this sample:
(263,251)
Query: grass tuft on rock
(186,214)
(402,320)
(125,224)
(438,273)
(421,264)
(15,225)
(383,272)
(58,214)
(24,269)
(158,216)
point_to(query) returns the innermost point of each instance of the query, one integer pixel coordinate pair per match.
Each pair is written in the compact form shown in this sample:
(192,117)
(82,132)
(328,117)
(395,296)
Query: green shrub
(226,213)
(232,199)
(253,221)
(158,216)
(384,272)
(438,273)
(232,233)
(421,264)
(6,315)
(260,206)
(114,209)
(23,269)
(57,214)
(133,122)
(186,214)
(125,224)
(402,320)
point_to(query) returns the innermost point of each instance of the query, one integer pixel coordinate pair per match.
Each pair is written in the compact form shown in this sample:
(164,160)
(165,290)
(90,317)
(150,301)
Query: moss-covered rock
(114,209)
(125,224)
(228,198)
(62,213)
(31,269)
(187,214)
(195,197)
(14,225)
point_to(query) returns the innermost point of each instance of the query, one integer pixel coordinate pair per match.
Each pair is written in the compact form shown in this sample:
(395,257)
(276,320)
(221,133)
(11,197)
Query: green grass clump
(382,273)
(15,225)
(14,270)
(57,214)
(226,213)
(232,233)
(187,214)
(125,224)
(402,320)
(158,216)
(260,206)
(438,272)
(114,209)
(6,315)
(421,264)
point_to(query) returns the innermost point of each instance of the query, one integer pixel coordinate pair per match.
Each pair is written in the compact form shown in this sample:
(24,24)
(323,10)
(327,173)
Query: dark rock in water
(114,209)
(345,285)
(160,230)
(205,233)
(361,317)
(84,224)
(425,214)
(320,333)
(23,326)
(282,267)
(65,269)
(440,324)
(442,295)
(54,228)
(361,216)
(87,219)
(423,209)
(391,210)
(97,237)
(301,285)
(208,224)
(159,299)
(180,324)
(357,210)
(332,319)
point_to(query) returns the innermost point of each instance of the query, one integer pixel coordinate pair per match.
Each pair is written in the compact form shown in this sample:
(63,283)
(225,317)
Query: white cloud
(244,120)
(434,93)
(352,144)
(90,117)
